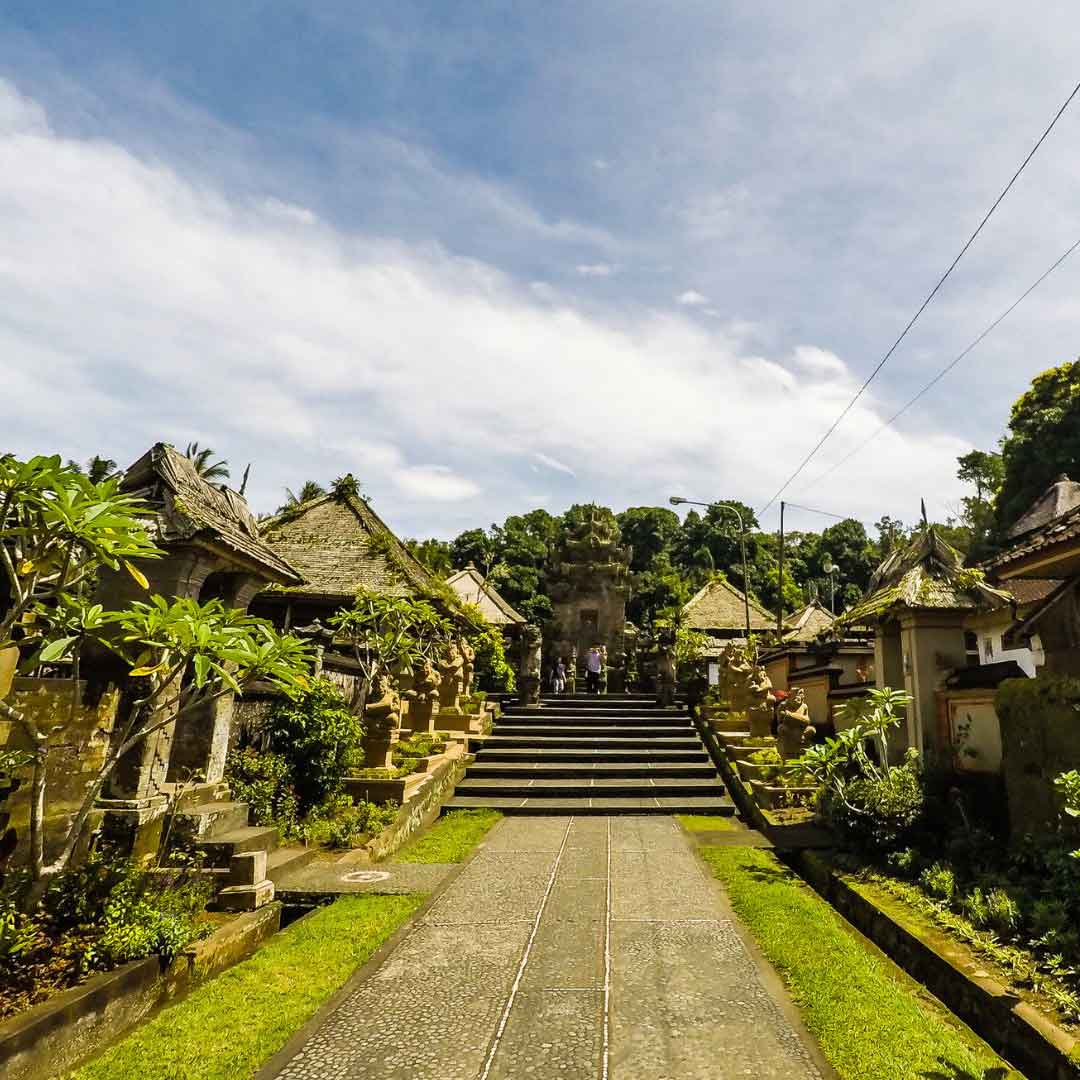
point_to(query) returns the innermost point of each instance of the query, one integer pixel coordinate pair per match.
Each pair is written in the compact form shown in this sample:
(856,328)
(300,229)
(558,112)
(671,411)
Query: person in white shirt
(593,666)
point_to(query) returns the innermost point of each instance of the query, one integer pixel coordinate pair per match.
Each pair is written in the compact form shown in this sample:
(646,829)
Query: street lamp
(678,500)
(831,569)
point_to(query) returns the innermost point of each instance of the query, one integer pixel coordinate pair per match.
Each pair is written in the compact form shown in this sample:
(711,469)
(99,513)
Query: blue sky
(493,256)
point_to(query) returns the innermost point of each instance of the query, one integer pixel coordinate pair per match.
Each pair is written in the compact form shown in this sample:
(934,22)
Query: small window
(971,648)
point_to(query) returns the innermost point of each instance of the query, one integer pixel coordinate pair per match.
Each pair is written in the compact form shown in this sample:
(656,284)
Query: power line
(811,510)
(923,306)
(946,369)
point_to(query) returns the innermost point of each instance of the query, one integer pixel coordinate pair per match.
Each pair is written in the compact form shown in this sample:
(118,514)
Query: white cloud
(691,298)
(435,482)
(136,305)
(553,463)
(595,269)
(289,211)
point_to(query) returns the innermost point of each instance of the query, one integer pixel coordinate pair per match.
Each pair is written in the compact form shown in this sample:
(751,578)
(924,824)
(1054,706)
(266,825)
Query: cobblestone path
(585,947)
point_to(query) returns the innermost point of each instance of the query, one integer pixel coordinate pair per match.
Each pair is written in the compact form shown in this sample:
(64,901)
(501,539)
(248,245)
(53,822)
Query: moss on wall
(1040,737)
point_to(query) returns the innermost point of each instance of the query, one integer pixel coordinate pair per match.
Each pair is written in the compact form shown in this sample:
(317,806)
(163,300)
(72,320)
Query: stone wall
(76,753)
(1040,738)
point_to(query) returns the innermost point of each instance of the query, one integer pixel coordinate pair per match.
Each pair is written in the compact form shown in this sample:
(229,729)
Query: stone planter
(775,796)
(455,720)
(56,1036)
(378,746)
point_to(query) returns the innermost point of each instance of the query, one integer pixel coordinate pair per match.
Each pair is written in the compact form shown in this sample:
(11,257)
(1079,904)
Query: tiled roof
(927,574)
(1059,498)
(1060,530)
(190,508)
(719,606)
(1028,591)
(472,587)
(339,544)
(808,623)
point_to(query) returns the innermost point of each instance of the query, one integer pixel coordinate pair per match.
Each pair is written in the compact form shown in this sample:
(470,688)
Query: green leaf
(55,649)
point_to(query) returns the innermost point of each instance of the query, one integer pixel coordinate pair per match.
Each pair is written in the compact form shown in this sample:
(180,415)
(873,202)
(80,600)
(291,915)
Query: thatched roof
(339,545)
(928,574)
(808,623)
(473,588)
(720,606)
(190,509)
(1050,527)
(1059,498)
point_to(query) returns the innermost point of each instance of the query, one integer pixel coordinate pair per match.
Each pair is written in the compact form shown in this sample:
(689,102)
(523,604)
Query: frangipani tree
(57,528)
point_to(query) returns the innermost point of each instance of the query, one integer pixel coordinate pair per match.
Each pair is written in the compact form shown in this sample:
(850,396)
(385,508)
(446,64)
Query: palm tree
(311,489)
(97,469)
(207,469)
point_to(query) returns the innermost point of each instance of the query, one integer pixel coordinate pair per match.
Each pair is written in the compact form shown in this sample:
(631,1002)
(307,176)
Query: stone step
(699,804)
(210,819)
(286,860)
(593,788)
(221,848)
(572,731)
(568,742)
(532,769)
(589,753)
(597,719)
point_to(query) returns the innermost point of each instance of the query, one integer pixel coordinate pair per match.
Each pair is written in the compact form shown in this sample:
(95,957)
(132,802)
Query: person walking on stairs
(593,665)
(558,676)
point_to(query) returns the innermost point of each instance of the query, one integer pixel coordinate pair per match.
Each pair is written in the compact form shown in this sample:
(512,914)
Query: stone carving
(603,669)
(382,718)
(451,676)
(795,730)
(424,698)
(529,676)
(740,674)
(665,668)
(468,668)
(760,702)
(571,672)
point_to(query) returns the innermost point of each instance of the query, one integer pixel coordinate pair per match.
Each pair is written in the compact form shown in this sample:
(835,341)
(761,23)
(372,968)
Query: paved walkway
(585,947)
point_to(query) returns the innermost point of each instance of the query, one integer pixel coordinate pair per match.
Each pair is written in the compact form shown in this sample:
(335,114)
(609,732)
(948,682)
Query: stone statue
(665,668)
(530,673)
(424,698)
(795,731)
(468,668)
(603,669)
(760,702)
(451,676)
(382,719)
(571,672)
(740,674)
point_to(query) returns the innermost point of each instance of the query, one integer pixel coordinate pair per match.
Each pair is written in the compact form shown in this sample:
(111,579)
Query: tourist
(559,678)
(594,664)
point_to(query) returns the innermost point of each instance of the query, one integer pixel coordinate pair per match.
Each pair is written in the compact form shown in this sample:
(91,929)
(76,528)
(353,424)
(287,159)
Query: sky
(494,256)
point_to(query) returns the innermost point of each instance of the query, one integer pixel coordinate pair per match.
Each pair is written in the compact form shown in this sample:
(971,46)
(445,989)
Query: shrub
(975,907)
(491,668)
(152,913)
(877,812)
(19,934)
(76,898)
(264,782)
(339,823)
(939,881)
(1002,911)
(319,737)
(1048,917)
(904,862)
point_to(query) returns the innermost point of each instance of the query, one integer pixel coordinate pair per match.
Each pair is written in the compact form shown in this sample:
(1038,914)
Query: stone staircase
(607,754)
(246,860)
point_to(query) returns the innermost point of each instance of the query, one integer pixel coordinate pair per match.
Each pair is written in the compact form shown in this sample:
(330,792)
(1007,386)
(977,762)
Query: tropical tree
(435,555)
(310,489)
(205,466)
(57,529)
(1043,441)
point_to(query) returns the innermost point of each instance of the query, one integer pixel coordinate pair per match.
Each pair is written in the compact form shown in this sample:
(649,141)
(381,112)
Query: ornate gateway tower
(589,585)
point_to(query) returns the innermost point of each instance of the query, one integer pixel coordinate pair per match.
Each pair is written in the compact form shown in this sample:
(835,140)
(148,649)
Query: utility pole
(780,600)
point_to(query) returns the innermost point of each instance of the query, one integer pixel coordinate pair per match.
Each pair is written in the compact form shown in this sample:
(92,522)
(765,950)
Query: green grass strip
(227,1028)
(869,1018)
(707,823)
(450,839)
